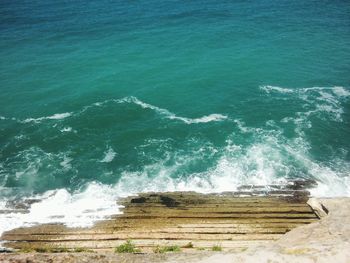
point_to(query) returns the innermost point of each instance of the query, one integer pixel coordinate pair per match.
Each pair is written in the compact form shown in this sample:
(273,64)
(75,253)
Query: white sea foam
(337,90)
(66,129)
(164,112)
(78,209)
(133,100)
(205,119)
(66,163)
(3,118)
(30,165)
(324,93)
(108,155)
(269,89)
(322,102)
(336,112)
(341,92)
(57,116)
(82,208)
(268,160)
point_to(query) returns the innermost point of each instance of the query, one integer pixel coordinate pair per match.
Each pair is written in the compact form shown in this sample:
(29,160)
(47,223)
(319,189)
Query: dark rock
(139,200)
(6,250)
(168,201)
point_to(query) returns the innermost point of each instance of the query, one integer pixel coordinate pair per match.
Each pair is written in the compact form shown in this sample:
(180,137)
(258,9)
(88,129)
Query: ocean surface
(103,99)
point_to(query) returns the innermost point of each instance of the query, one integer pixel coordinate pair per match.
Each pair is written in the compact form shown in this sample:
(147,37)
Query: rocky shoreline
(275,227)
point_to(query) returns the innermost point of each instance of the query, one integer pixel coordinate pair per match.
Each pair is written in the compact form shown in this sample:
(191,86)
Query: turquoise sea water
(101,99)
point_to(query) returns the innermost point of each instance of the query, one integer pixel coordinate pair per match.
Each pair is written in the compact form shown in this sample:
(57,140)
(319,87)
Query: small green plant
(166,249)
(216,248)
(188,245)
(81,249)
(200,248)
(42,249)
(58,250)
(127,247)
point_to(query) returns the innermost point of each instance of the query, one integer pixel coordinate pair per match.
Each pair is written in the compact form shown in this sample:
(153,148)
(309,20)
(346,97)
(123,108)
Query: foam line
(57,116)
(172,116)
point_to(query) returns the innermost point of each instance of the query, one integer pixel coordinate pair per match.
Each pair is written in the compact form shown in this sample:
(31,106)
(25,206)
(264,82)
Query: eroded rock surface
(203,220)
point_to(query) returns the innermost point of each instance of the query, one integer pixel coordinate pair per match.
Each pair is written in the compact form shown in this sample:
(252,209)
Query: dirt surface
(327,240)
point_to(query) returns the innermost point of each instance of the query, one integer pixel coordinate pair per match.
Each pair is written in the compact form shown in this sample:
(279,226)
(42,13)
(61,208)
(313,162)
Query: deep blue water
(100,99)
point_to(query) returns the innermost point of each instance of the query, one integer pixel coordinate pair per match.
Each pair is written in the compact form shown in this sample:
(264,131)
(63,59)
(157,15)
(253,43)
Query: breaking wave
(77,209)
(250,155)
(270,159)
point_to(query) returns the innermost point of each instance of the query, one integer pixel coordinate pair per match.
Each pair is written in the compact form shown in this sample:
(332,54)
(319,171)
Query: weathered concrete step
(178,228)
(243,225)
(148,235)
(209,205)
(109,226)
(220,215)
(180,217)
(272,209)
(146,243)
(169,232)
(133,221)
(113,229)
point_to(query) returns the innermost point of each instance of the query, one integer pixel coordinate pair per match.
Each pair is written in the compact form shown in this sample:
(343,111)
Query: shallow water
(103,99)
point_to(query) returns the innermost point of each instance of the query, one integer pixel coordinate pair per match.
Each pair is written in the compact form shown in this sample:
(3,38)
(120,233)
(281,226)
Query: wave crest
(57,116)
(172,116)
(215,117)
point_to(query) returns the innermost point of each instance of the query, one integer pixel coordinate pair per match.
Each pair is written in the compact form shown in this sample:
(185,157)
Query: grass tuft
(58,250)
(81,249)
(127,247)
(216,248)
(42,249)
(166,249)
